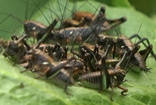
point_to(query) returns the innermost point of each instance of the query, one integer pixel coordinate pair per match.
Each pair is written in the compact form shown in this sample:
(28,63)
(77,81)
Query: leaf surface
(22,88)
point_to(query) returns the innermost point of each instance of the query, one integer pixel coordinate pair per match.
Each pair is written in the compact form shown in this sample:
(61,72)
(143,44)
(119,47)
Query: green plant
(22,88)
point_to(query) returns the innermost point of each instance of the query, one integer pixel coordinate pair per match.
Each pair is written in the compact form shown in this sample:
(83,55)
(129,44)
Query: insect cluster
(101,61)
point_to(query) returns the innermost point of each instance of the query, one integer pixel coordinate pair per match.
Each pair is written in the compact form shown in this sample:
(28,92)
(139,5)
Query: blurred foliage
(18,9)
(21,88)
(116,3)
(147,7)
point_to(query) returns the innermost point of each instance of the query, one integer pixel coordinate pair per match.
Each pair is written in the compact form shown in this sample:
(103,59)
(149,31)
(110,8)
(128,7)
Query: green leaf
(18,9)
(145,7)
(21,88)
(121,3)
(116,3)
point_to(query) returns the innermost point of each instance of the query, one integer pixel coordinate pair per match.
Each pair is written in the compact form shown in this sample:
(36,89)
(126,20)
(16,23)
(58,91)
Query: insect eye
(115,77)
(19,45)
(34,28)
(45,63)
(71,32)
(33,70)
(122,47)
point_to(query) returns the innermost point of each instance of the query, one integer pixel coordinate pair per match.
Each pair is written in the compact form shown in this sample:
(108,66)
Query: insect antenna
(3,21)
(41,12)
(62,15)
(33,11)
(91,53)
(70,75)
(41,34)
(50,11)
(18,19)
(53,10)
(6,31)
(64,11)
(47,31)
(138,33)
(128,69)
(152,52)
(74,7)
(96,9)
(28,20)
(26,12)
(5,18)
(124,56)
(104,71)
(132,53)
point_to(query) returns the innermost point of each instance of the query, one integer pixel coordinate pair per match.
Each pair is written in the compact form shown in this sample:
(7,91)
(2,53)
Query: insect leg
(65,53)
(71,73)
(122,59)
(96,51)
(77,54)
(58,67)
(82,56)
(24,70)
(142,41)
(112,87)
(136,35)
(41,35)
(2,43)
(44,72)
(115,20)
(107,28)
(37,45)
(105,71)
(145,39)
(14,37)
(130,56)
(124,90)
(144,53)
(88,62)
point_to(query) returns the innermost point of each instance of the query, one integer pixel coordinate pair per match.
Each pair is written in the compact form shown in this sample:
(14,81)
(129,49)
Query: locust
(41,63)
(15,49)
(101,77)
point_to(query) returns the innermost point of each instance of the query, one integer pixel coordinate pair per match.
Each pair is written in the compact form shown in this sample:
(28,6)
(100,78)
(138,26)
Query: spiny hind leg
(141,40)
(124,90)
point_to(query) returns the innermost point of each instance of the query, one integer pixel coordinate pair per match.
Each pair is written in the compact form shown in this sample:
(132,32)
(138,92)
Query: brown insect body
(80,15)
(137,59)
(14,49)
(72,23)
(63,35)
(86,18)
(102,77)
(42,64)
(57,52)
(123,43)
(33,28)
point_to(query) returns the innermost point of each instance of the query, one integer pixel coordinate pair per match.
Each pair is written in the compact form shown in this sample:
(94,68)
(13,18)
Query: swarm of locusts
(100,62)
